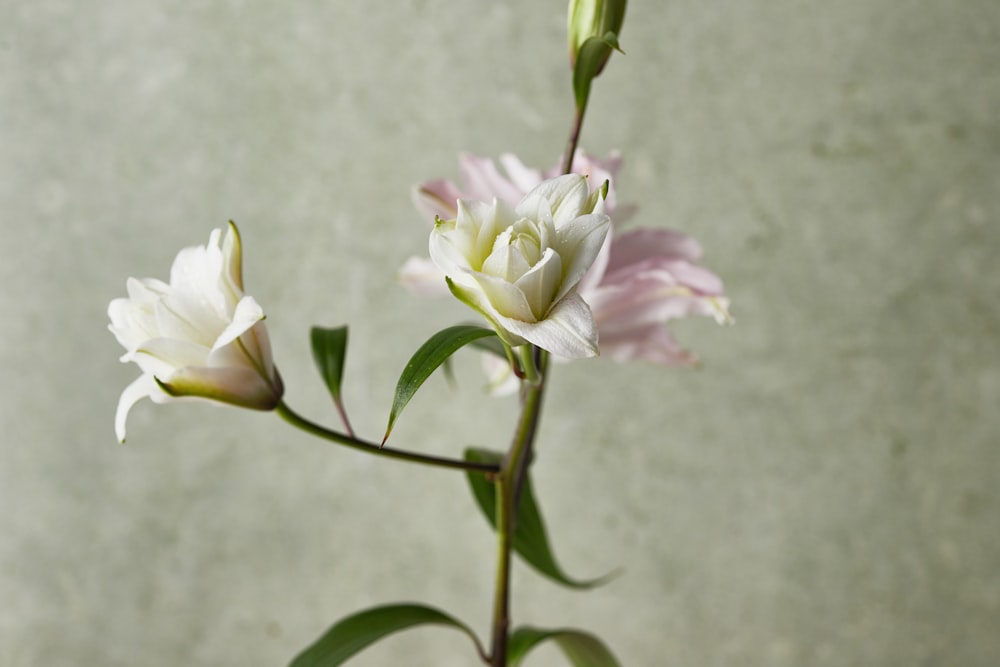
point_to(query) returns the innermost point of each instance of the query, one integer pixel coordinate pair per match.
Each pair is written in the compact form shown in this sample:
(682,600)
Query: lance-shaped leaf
(358,631)
(582,649)
(425,361)
(329,347)
(530,539)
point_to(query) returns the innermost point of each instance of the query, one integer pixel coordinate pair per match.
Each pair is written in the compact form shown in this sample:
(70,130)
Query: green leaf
(329,347)
(355,633)
(582,649)
(593,54)
(530,539)
(425,361)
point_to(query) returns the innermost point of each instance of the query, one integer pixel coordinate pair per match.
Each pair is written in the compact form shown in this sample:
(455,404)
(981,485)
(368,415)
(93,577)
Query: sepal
(593,55)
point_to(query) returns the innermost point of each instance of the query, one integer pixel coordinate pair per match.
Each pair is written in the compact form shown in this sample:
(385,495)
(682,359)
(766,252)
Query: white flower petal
(566,195)
(177,318)
(506,261)
(162,356)
(580,241)
(567,331)
(192,268)
(504,298)
(595,273)
(147,290)
(475,299)
(131,323)
(247,314)
(449,248)
(139,389)
(540,284)
(500,216)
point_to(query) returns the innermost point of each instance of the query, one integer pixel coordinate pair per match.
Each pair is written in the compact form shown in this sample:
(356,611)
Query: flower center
(527,245)
(517,250)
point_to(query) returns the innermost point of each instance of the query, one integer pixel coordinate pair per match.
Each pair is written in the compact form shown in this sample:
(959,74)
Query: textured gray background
(825,491)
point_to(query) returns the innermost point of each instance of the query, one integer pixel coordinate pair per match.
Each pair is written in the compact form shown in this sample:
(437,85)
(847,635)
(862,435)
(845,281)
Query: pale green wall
(825,491)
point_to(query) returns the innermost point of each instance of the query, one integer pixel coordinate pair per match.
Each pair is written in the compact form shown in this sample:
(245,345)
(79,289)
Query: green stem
(509,482)
(343,415)
(574,139)
(501,593)
(541,363)
(530,369)
(312,428)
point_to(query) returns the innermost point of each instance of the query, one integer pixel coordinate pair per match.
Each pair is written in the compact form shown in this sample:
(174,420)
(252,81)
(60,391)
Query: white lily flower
(197,337)
(519,266)
(642,279)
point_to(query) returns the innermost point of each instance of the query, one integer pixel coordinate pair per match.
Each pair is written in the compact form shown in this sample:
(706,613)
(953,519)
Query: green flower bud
(593,18)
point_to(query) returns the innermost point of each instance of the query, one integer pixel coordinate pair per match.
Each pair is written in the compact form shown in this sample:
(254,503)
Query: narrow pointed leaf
(530,539)
(329,347)
(358,631)
(582,649)
(425,361)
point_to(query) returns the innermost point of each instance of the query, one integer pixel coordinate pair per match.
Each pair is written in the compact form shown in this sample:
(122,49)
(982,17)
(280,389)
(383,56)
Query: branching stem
(298,421)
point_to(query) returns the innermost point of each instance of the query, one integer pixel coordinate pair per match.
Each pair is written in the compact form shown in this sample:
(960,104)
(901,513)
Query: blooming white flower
(483,181)
(519,266)
(642,278)
(198,336)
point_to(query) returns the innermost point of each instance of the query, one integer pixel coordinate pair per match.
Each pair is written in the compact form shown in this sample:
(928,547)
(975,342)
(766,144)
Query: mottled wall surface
(824,491)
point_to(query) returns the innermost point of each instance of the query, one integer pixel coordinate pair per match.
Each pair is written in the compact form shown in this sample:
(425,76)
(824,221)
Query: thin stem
(343,415)
(574,139)
(509,482)
(531,374)
(301,422)
(501,595)
(541,363)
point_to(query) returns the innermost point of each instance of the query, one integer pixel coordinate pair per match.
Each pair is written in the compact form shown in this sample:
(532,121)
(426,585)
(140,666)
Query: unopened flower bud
(593,18)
